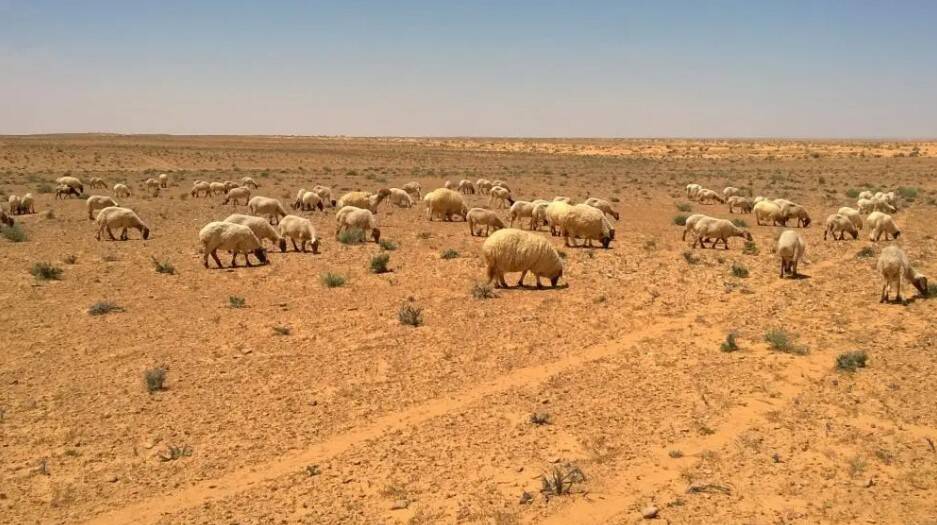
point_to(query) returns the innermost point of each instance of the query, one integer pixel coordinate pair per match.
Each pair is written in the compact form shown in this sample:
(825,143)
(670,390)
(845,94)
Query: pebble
(650,512)
(112,478)
(400,504)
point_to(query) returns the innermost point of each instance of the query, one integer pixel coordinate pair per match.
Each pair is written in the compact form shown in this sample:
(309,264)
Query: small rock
(554,459)
(112,478)
(868,483)
(650,512)
(520,468)
(400,504)
(776,457)
(526,498)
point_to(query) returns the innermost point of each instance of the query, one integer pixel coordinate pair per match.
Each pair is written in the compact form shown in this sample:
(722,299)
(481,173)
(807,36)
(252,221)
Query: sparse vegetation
(852,193)
(448,253)
(379,263)
(332,280)
(684,207)
(739,270)
(45,271)
(730,344)
(690,257)
(410,315)
(282,330)
(70,259)
(540,418)
(173,453)
(155,379)
(483,291)
(165,267)
(908,193)
(781,341)
(103,308)
(387,245)
(235,301)
(14,233)
(865,253)
(560,481)
(750,248)
(851,361)
(680,220)
(351,236)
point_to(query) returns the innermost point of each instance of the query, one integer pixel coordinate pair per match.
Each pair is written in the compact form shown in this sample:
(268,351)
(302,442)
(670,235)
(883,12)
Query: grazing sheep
(603,205)
(97,182)
(445,203)
(881,223)
(520,210)
(730,191)
(589,223)
(298,201)
(400,198)
(237,195)
(692,190)
(893,264)
(466,186)
(71,182)
(121,190)
(766,213)
(299,229)
(707,196)
(500,195)
(500,183)
(866,206)
(360,218)
(232,237)
(483,217)
(163,180)
(230,185)
(690,224)
(511,250)
(27,204)
(63,191)
(98,202)
(449,185)
(200,187)
(16,205)
(555,214)
(743,204)
(716,230)
(484,186)
(758,199)
(151,184)
(218,188)
(248,182)
(123,218)
(790,249)
(865,195)
(261,228)
(852,215)
(840,224)
(363,199)
(267,207)
(880,204)
(414,189)
(324,193)
(309,201)
(891,199)
(794,211)
(539,214)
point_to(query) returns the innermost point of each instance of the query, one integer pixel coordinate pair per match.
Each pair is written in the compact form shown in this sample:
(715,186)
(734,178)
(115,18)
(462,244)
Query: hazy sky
(510,68)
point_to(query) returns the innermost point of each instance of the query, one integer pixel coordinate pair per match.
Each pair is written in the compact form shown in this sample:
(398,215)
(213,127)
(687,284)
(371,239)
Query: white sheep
(249,183)
(27,204)
(98,182)
(16,205)
(400,197)
(839,224)
(267,207)
(445,203)
(97,202)
(743,204)
(865,195)
(218,188)
(881,223)
(521,210)
(309,201)
(71,182)
(359,218)
(237,195)
(603,205)
(555,213)
(766,213)
(414,189)
(449,185)
(758,199)
(511,250)
(793,211)
(123,218)
(879,203)
(539,214)
(483,186)
(501,183)
(589,223)
(261,228)
(63,191)
(852,214)
(730,191)
(151,184)
(790,248)
(690,224)
(866,206)
(201,187)
(707,196)
(499,195)
(163,180)
(299,229)
(298,201)
(228,236)
(324,193)
(363,199)
(121,190)
(715,230)
(692,190)
(893,264)
(482,217)
(466,186)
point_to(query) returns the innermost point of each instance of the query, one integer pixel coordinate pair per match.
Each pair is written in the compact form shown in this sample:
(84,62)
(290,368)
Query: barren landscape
(289,401)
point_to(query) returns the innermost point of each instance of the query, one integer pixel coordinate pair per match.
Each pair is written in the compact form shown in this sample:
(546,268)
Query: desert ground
(311,404)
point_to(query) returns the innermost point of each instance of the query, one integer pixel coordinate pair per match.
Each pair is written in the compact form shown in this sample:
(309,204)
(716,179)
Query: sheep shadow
(533,288)
(797,277)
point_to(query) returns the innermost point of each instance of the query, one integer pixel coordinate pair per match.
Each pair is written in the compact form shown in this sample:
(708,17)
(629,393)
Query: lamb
(163,180)
(414,189)
(511,250)
(71,182)
(743,204)
(401,198)
(201,187)
(324,193)
(445,203)
(794,211)
(484,186)
(363,199)
(299,229)
(235,238)
(499,195)
(123,218)
(260,227)
(265,206)
(881,223)
(790,249)
(603,205)
(248,182)
(716,230)
(589,223)
(867,195)
(766,213)
(893,264)
(121,190)
(556,213)
(360,218)
(840,224)
(483,217)
(692,190)
(97,202)
(27,204)
(730,191)
(852,215)
(466,186)
(309,201)
(690,224)
(520,210)
(237,195)
(151,184)
(706,196)
(16,205)
(98,182)
(62,191)
(218,188)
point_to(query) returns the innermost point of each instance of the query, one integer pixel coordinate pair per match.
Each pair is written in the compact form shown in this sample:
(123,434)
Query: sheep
(310,201)
(852,215)
(484,186)
(692,190)
(123,218)
(201,187)
(758,199)
(363,199)
(299,229)
(880,204)
(539,214)
(766,213)
(261,228)
(324,193)
(401,198)
(730,191)
(840,224)
(520,210)
(511,250)
(163,180)
(865,206)
(237,195)
(893,264)
(63,191)
(16,205)
(121,190)
(445,203)
(97,202)
(890,198)
(706,196)
(483,217)
(499,195)
(555,214)
(716,230)
(248,182)
(232,237)
(783,202)
(218,188)
(603,205)
(790,249)
(867,195)
(743,204)
(360,218)
(794,211)
(97,182)
(151,184)
(414,189)
(298,201)
(265,206)
(589,223)
(6,219)
(27,204)
(449,185)
(501,183)
(881,223)
(466,186)
(71,182)
(690,224)
(560,198)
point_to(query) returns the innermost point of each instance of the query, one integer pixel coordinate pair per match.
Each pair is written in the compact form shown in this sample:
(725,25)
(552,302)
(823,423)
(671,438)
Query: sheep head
(315,246)
(606,240)
(920,282)
(261,254)
(320,206)
(556,278)
(146,233)
(334,202)
(747,236)
(806,221)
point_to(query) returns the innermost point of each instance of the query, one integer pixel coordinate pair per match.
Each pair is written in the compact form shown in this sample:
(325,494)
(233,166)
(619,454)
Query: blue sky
(585,69)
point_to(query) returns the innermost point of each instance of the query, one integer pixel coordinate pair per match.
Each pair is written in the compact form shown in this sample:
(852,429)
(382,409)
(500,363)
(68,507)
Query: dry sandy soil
(351,414)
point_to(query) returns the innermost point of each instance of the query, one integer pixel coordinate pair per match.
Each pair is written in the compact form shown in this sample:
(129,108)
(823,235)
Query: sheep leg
(898,298)
(234,260)
(492,277)
(782,268)
(539,286)
(123,234)
(247,259)
(504,284)
(725,243)
(214,255)
(884,297)
(295,249)
(520,282)
(110,233)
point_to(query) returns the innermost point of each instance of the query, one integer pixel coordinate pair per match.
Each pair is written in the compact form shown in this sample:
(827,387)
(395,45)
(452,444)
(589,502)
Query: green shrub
(379,263)
(729,345)
(852,193)
(235,301)
(70,259)
(739,270)
(388,245)
(448,253)
(410,315)
(45,188)
(865,253)
(351,236)
(740,223)
(155,379)
(14,233)
(163,266)
(332,280)
(851,361)
(282,330)
(907,192)
(680,220)
(781,341)
(690,257)
(684,207)
(750,248)
(45,271)
(483,291)
(104,307)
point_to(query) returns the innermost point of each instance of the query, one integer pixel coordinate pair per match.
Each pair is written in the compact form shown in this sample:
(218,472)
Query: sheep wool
(266,207)
(261,228)
(790,248)
(589,223)
(228,236)
(512,250)
(299,229)
(445,203)
(482,217)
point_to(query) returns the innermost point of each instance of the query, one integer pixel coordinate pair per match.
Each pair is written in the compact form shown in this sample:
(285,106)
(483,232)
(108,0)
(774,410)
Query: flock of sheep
(506,249)
(893,263)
